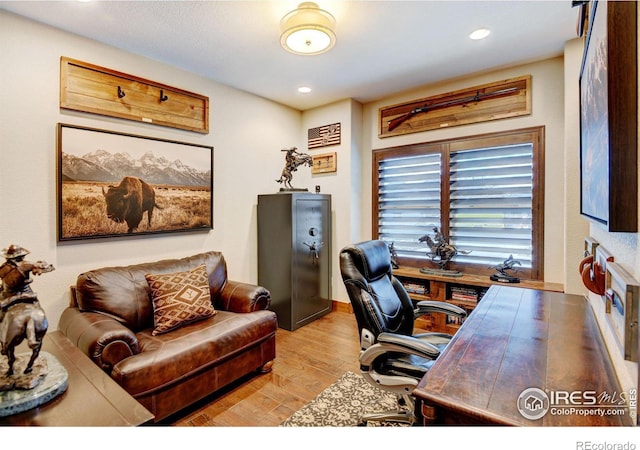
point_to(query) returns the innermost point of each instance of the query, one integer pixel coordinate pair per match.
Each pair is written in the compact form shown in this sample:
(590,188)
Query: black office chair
(392,357)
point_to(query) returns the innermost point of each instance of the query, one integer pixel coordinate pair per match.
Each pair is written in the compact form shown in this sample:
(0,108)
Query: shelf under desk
(517,339)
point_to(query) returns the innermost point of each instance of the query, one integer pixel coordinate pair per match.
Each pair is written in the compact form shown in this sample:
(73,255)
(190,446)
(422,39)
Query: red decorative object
(593,274)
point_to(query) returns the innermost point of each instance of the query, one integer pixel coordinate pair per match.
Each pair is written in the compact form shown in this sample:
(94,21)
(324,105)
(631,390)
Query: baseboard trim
(341,307)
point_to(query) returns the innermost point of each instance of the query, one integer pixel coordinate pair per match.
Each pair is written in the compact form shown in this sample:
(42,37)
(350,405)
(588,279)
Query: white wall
(247,133)
(344,184)
(547,110)
(576,226)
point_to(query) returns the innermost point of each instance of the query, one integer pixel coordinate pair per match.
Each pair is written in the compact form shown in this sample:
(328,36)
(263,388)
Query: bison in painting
(128,201)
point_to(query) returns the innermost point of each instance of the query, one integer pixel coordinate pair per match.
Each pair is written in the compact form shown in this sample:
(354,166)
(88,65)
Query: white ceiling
(383,47)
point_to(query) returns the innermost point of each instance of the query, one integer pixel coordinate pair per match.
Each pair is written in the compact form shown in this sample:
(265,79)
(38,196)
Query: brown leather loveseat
(112,318)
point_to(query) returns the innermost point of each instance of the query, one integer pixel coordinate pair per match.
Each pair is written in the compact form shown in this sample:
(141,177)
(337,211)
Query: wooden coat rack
(94,89)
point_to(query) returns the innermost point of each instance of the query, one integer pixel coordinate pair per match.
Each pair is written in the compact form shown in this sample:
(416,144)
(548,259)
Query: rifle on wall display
(393,124)
(499,100)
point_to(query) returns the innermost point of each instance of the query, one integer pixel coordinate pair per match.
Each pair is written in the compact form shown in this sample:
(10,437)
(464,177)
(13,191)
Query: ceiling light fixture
(480,33)
(304,89)
(308,30)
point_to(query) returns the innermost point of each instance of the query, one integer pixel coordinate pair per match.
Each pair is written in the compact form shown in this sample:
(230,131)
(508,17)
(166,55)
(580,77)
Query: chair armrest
(429,306)
(408,344)
(243,297)
(105,340)
(390,342)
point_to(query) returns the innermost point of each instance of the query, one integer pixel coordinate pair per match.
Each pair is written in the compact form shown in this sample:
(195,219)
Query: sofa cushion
(169,358)
(179,298)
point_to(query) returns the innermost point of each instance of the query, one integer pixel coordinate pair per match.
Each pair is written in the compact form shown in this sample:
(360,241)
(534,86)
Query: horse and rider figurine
(293,160)
(21,316)
(441,253)
(502,270)
(393,253)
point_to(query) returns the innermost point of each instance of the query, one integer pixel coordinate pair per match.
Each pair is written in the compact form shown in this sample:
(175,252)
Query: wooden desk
(92,398)
(514,340)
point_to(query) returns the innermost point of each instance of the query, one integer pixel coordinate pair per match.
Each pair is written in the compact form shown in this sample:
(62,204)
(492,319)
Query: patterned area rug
(342,404)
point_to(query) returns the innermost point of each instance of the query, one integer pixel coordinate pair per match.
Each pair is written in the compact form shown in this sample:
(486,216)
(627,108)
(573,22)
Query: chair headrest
(372,258)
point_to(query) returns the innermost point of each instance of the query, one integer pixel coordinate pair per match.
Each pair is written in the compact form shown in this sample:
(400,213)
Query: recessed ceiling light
(480,33)
(304,89)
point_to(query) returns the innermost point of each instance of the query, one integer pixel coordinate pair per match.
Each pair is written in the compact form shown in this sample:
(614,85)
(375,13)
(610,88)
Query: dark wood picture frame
(608,117)
(108,182)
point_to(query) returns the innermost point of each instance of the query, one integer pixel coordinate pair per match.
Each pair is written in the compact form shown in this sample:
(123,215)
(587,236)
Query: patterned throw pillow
(179,298)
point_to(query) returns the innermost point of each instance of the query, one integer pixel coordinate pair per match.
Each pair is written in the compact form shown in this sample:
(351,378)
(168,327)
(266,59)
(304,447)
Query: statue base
(504,278)
(294,190)
(22,392)
(442,272)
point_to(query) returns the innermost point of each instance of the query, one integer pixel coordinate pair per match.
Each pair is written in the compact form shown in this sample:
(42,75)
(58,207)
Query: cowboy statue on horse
(293,160)
(441,251)
(20,313)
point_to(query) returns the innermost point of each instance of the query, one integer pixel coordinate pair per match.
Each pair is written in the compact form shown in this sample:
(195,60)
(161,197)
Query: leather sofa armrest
(105,340)
(243,297)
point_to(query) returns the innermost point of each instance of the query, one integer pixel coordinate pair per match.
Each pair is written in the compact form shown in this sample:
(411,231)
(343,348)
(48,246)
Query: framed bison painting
(113,184)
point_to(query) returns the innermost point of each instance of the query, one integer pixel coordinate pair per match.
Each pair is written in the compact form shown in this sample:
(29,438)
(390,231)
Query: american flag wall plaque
(323,136)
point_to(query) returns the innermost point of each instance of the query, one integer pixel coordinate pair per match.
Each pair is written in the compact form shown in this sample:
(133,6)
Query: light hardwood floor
(307,361)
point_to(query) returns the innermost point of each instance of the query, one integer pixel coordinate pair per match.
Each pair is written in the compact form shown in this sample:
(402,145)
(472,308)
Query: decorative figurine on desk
(21,316)
(394,256)
(441,253)
(501,274)
(293,160)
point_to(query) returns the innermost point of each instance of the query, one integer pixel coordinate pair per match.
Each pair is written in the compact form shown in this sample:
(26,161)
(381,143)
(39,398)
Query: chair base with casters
(392,358)
(401,386)
(403,414)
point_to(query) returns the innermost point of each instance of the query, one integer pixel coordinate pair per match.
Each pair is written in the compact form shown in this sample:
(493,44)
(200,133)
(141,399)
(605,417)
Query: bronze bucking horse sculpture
(293,160)
(21,316)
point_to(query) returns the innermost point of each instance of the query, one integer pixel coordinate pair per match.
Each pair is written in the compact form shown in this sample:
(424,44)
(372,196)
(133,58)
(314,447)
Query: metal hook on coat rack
(121,93)
(163,98)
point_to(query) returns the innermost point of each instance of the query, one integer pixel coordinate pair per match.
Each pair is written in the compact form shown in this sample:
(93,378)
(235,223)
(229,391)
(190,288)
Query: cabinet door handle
(314,249)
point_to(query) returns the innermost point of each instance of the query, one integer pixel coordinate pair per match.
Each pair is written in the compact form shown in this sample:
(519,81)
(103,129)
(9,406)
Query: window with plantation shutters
(484,193)
(409,197)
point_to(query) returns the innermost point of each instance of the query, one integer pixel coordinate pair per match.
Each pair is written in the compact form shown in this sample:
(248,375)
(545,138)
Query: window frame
(533,135)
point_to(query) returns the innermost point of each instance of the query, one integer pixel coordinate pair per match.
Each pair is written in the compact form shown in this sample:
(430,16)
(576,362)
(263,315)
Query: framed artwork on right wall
(608,117)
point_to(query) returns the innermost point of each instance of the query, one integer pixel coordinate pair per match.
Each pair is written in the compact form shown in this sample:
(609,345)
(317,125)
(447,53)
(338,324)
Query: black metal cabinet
(294,255)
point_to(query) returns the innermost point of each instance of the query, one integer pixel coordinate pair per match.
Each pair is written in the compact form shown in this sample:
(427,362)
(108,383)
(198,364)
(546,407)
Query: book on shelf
(416,288)
(467,293)
(463,293)
(465,298)
(455,320)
